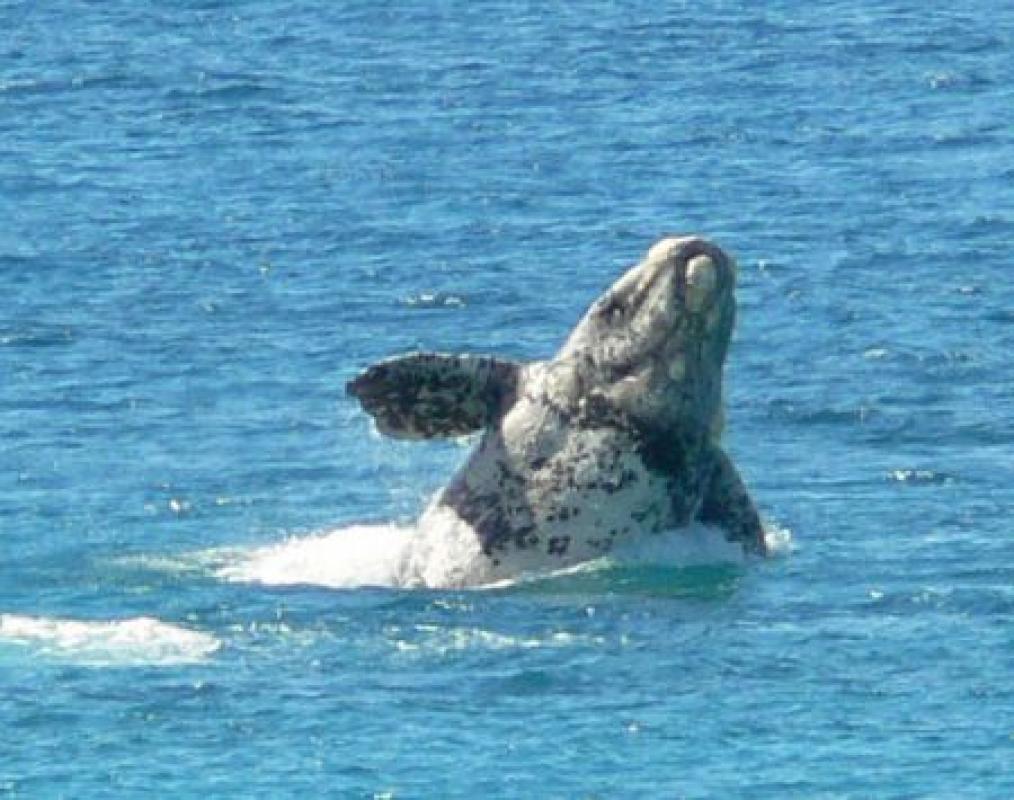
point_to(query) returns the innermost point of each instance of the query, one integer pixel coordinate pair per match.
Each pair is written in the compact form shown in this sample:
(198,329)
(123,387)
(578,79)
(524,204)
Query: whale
(617,436)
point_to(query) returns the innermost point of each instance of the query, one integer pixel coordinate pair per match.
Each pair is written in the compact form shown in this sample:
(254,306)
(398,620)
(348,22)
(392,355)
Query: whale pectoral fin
(428,395)
(727,504)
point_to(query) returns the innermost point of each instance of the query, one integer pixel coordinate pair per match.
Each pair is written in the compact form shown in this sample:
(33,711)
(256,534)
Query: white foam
(437,552)
(434,639)
(360,555)
(442,552)
(136,641)
(778,540)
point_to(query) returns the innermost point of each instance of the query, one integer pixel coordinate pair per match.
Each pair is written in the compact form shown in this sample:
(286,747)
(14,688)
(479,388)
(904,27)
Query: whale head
(653,346)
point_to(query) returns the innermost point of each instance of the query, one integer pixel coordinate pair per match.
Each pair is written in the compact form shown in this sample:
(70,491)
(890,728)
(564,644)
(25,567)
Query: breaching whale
(618,435)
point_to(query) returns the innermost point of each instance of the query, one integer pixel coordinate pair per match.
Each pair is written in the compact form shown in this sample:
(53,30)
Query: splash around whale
(615,439)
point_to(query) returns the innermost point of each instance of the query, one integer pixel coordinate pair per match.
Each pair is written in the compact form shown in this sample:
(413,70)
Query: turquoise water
(212,215)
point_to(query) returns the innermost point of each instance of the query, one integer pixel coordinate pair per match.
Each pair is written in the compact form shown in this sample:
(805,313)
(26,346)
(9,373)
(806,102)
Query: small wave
(138,641)
(438,640)
(114,80)
(435,300)
(37,336)
(919,477)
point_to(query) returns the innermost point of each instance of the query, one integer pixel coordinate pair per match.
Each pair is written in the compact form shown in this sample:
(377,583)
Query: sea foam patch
(437,552)
(137,641)
(359,555)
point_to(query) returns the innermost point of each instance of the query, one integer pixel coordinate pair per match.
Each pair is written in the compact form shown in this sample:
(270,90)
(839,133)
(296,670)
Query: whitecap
(440,641)
(434,553)
(136,641)
(778,540)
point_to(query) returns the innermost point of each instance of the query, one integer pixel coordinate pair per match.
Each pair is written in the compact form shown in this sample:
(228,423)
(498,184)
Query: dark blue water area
(212,215)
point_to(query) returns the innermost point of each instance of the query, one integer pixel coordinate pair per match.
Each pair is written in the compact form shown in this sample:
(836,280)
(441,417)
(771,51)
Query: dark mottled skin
(618,434)
(427,395)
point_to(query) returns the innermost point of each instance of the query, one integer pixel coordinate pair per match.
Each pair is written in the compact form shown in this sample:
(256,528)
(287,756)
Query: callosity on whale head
(655,343)
(616,436)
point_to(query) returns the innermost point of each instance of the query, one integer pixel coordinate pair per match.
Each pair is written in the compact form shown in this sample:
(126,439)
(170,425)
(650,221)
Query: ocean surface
(212,215)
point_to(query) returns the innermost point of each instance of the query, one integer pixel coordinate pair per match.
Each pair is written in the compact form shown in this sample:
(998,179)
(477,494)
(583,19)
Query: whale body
(617,436)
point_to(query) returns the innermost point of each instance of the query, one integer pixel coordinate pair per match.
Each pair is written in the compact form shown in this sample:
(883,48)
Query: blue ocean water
(214,214)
